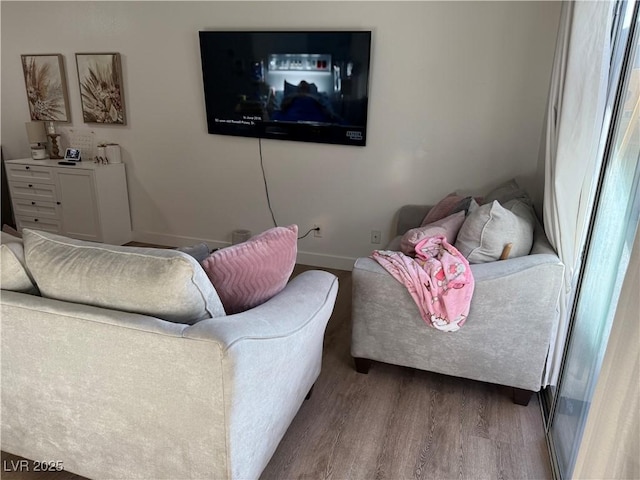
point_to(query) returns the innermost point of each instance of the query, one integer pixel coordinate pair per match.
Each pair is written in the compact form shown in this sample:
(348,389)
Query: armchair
(506,336)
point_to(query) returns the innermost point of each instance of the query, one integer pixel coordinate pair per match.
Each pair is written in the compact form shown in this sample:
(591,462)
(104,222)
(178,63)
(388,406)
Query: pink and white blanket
(439,280)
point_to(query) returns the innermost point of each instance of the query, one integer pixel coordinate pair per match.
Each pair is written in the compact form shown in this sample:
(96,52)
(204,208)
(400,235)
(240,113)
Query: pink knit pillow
(442,209)
(447,226)
(250,273)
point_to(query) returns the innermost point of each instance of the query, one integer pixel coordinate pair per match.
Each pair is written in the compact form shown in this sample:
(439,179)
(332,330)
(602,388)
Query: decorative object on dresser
(101,153)
(37,139)
(108,153)
(101,90)
(55,148)
(46,85)
(73,155)
(85,200)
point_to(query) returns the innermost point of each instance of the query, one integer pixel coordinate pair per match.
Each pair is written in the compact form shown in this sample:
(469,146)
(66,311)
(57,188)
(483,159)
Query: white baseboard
(321,260)
(175,240)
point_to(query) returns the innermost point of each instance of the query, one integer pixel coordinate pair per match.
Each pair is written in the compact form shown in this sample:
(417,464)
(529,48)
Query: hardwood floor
(399,423)
(395,423)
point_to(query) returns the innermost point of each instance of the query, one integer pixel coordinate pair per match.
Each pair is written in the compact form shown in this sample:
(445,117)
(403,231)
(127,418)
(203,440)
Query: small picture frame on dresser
(72,155)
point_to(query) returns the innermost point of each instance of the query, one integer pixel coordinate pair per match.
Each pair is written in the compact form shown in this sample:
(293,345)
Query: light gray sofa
(114,394)
(506,336)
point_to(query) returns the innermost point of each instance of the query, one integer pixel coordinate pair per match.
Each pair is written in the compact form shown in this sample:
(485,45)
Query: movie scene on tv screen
(308,86)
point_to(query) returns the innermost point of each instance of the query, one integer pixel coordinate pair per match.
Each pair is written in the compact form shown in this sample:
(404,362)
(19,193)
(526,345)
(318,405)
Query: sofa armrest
(306,296)
(410,216)
(502,270)
(505,268)
(271,357)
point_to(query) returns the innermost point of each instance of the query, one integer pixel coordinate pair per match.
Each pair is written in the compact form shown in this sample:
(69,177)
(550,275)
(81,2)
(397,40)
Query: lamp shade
(35,132)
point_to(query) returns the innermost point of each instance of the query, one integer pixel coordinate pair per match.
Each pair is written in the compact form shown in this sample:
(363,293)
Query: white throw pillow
(489,228)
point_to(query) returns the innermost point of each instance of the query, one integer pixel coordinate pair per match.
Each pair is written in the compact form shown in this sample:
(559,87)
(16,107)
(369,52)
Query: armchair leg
(521,397)
(362,364)
(310,392)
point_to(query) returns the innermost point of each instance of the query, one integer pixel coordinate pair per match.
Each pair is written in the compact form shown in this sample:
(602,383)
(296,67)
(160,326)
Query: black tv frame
(230,70)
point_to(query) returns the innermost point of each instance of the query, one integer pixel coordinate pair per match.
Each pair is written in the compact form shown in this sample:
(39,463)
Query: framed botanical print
(46,85)
(101,91)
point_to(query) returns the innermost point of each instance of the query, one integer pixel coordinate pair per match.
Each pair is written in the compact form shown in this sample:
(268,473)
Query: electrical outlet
(317,233)
(375,236)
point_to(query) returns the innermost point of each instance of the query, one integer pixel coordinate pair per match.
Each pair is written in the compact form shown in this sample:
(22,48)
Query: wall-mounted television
(309,86)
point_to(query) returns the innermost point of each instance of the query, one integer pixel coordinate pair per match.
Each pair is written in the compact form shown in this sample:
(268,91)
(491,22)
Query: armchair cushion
(506,192)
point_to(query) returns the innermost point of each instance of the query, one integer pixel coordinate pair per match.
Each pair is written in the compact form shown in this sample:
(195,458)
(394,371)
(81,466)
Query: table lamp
(51,133)
(37,139)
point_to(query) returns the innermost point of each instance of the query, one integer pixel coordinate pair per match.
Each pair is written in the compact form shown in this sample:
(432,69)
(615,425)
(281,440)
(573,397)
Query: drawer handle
(30,185)
(35,219)
(57,203)
(27,168)
(33,203)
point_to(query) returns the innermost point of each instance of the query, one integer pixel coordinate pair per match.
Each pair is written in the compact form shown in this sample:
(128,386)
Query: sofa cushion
(488,229)
(448,226)
(162,283)
(250,273)
(14,275)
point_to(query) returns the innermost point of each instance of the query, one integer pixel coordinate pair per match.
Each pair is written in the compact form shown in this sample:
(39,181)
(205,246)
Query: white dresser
(87,201)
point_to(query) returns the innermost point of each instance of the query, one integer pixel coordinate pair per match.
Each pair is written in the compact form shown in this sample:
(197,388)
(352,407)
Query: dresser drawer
(33,191)
(39,223)
(36,208)
(84,201)
(29,173)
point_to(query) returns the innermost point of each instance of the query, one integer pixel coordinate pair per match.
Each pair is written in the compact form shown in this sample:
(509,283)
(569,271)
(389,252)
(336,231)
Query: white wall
(457,99)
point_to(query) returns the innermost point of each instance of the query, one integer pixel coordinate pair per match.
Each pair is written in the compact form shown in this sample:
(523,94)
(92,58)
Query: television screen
(304,86)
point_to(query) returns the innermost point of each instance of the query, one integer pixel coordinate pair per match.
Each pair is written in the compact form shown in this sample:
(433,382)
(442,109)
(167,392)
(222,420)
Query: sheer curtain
(592,211)
(575,117)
